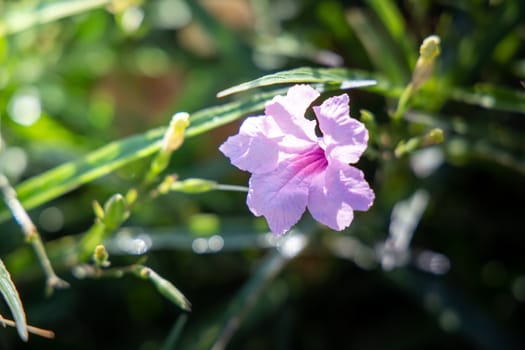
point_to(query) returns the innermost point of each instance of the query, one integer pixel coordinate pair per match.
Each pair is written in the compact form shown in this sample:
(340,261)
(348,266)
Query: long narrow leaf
(69,176)
(348,77)
(10,294)
(101,162)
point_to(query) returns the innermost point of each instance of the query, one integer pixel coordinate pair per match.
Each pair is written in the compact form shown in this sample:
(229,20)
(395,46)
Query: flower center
(310,162)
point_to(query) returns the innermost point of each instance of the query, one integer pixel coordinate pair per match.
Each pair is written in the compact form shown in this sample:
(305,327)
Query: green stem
(31,234)
(221,187)
(402,105)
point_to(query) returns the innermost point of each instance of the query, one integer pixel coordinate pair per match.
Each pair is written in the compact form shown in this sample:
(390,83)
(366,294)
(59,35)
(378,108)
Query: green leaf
(10,294)
(348,78)
(66,177)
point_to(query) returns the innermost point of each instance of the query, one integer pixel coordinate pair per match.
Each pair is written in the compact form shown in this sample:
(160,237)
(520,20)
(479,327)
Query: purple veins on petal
(281,196)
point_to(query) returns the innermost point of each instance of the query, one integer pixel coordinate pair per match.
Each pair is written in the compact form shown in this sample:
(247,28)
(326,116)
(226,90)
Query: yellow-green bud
(428,51)
(167,289)
(430,48)
(193,186)
(116,211)
(101,256)
(174,136)
(144,272)
(434,137)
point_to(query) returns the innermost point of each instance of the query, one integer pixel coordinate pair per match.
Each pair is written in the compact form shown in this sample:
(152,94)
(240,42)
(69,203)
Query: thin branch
(31,329)
(31,235)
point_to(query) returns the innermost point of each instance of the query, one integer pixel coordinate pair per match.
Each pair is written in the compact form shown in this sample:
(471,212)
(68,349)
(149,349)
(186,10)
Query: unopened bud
(193,186)
(116,211)
(430,48)
(434,137)
(428,51)
(174,136)
(101,256)
(167,289)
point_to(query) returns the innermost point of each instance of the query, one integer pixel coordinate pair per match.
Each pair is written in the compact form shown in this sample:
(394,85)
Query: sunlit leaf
(10,294)
(347,77)
(66,177)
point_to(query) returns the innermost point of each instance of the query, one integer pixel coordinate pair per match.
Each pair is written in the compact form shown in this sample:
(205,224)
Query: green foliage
(87,89)
(10,294)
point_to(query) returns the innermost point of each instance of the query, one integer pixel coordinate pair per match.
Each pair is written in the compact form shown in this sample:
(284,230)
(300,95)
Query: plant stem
(31,235)
(32,329)
(234,188)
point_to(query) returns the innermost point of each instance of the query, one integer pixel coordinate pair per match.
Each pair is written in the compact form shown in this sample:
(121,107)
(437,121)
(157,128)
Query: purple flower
(293,168)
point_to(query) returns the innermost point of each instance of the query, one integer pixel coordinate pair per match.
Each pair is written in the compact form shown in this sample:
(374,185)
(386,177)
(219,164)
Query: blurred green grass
(75,79)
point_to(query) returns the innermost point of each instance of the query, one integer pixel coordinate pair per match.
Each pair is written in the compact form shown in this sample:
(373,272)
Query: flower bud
(174,136)
(430,48)
(193,186)
(434,137)
(428,51)
(115,211)
(101,256)
(166,288)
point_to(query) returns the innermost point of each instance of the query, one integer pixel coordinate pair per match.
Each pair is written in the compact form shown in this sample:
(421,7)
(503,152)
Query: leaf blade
(306,75)
(12,298)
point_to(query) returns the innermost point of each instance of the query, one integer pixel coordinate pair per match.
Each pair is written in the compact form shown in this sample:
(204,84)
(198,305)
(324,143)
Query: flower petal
(252,150)
(336,193)
(288,112)
(345,138)
(280,196)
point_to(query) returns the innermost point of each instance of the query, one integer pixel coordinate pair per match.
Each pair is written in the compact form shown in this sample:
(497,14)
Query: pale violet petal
(327,207)
(344,137)
(336,193)
(280,196)
(251,150)
(292,144)
(288,112)
(351,185)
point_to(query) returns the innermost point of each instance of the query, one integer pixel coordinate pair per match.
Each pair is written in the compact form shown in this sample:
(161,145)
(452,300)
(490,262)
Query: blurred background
(438,261)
